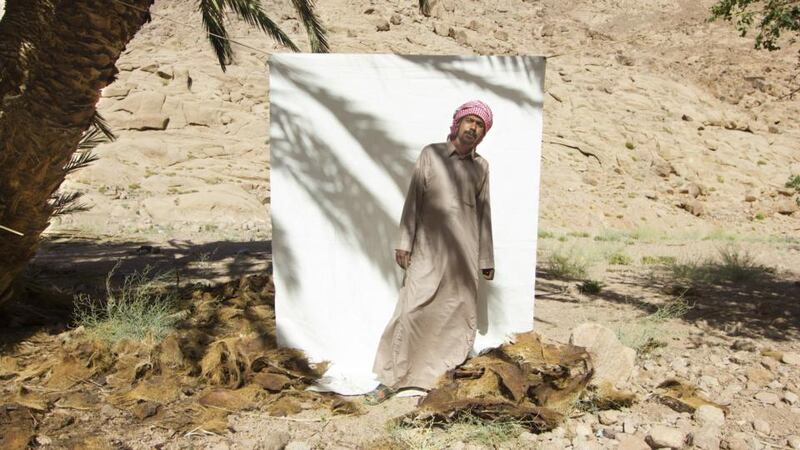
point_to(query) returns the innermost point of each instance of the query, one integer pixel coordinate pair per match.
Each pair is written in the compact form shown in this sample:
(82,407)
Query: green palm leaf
(316,32)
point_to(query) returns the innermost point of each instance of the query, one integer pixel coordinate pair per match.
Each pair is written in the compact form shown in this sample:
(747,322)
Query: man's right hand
(403,258)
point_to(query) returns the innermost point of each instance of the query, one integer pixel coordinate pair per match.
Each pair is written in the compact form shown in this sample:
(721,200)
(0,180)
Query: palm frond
(99,123)
(316,32)
(80,160)
(253,14)
(213,22)
(425,7)
(67,203)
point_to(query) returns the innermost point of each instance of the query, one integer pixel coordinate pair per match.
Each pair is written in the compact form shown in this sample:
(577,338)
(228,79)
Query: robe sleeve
(485,245)
(413,205)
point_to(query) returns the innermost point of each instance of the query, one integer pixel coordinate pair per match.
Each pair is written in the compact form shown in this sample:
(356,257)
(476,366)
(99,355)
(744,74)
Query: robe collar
(451,150)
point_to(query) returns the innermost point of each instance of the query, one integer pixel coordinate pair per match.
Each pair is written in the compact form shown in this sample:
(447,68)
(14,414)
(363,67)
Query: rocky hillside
(687,121)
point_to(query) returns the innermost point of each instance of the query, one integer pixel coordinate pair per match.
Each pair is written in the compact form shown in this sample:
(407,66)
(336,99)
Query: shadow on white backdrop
(345,131)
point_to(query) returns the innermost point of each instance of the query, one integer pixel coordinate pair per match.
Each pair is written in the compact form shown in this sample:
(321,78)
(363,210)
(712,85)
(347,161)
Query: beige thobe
(446,225)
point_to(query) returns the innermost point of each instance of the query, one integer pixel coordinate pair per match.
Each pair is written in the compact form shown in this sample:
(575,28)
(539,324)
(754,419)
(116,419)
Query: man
(445,238)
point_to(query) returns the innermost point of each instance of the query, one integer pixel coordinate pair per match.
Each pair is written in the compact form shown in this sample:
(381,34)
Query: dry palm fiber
(529,381)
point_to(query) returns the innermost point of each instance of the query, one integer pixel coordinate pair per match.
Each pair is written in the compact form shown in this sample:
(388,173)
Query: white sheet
(345,131)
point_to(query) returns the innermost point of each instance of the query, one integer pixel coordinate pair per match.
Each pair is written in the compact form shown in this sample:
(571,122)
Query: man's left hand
(488,274)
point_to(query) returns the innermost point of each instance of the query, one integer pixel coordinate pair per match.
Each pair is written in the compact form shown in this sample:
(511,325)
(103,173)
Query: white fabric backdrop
(345,131)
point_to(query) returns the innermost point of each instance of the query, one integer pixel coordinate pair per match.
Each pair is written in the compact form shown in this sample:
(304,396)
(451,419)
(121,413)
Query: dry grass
(731,265)
(143,308)
(468,429)
(646,334)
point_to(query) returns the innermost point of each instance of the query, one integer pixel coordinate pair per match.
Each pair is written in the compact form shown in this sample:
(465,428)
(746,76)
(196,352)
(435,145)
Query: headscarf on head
(475,107)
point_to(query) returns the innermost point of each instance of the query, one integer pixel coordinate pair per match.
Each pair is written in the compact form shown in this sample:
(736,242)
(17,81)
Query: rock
(150,68)
(788,206)
(662,167)
(735,443)
(709,415)
(661,436)
(276,440)
(145,410)
(762,426)
(116,90)
(793,442)
(396,19)
(527,436)
(790,397)
(460,36)
(147,122)
(686,118)
(793,359)
(629,425)
(442,29)
(759,376)
(706,438)
(624,59)
(695,190)
(298,445)
(773,129)
(744,344)
(474,25)
(583,430)
(141,103)
(695,207)
(165,72)
(609,417)
(652,195)
(750,198)
(613,362)
(200,114)
(627,442)
(769,398)
(381,24)
(501,35)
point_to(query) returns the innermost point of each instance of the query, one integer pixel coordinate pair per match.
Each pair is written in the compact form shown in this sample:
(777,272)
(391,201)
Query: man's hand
(488,274)
(403,258)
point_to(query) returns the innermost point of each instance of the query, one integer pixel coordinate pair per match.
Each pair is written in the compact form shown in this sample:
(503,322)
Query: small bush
(578,234)
(619,259)
(629,145)
(794,182)
(141,309)
(658,260)
(731,266)
(611,236)
(591,287)
(759,216)
(567,265)
(545,234)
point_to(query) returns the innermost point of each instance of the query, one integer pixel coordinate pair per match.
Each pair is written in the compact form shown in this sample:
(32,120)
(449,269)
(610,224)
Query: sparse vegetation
(611,236)
(646,334)
(658,260)
(467,428)
(578,234)
(794,182)
(620,259)
(629,145)
(143,308)
(542,234)
(591,287)
(732,265)
(567,264)
(759,216)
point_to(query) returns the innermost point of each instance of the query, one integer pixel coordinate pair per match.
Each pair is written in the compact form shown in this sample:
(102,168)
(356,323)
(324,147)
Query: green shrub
(620,259)
(141,309)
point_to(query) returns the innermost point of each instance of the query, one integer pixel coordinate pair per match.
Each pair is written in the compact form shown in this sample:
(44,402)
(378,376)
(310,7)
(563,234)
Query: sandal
(379,395)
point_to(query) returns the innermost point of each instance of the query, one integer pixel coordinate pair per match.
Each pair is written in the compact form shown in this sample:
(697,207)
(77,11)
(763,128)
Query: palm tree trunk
(44,111)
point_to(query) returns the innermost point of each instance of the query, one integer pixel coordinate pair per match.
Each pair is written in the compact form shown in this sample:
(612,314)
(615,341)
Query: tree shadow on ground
(63,269)
(765,305)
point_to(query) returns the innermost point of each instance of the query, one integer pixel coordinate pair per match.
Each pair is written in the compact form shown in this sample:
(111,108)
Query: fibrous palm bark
(56,56)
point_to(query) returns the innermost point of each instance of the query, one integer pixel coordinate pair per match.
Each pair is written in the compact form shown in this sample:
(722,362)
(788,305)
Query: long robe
(446,225)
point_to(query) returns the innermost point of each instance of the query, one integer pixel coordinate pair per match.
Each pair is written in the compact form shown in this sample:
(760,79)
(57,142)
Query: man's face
(471,130)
